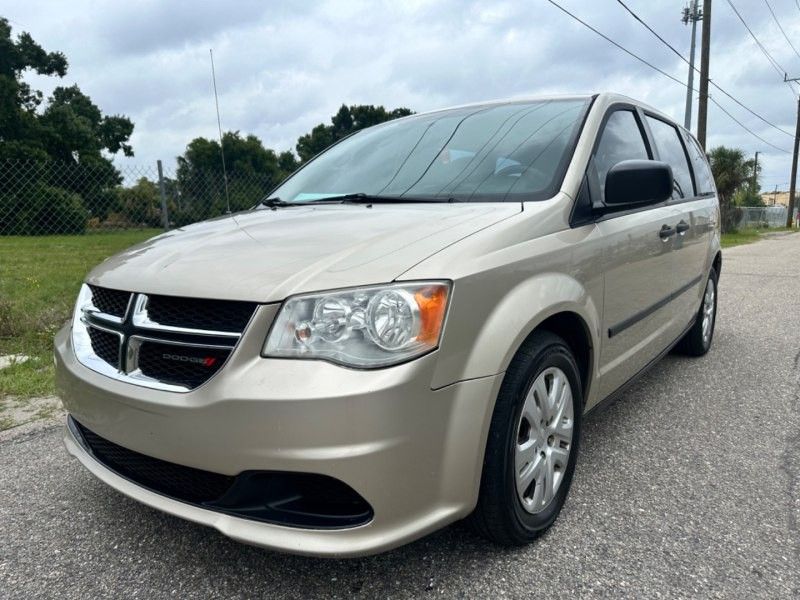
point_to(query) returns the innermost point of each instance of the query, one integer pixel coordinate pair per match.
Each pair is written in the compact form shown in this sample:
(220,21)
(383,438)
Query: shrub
(42,209)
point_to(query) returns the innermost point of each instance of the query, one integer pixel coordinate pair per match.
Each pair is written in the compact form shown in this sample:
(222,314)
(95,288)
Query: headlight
(363,327)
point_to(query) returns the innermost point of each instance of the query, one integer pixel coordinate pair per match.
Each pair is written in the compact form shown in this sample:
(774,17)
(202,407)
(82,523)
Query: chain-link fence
(40,198)
(762,217)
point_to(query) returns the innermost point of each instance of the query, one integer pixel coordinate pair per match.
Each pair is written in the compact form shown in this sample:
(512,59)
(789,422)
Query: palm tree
(732,172)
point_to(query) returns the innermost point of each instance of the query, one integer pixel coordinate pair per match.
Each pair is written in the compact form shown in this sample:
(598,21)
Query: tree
(20,132)
(68,130)
(748,196)
(253,171)
(139,204)
(346,121)
(732,173)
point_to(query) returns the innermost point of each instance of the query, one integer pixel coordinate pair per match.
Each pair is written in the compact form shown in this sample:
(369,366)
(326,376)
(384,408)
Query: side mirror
(638,182)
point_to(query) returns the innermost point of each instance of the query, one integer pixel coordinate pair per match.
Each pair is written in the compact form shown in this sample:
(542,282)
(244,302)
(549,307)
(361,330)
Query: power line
(609,40)
(775,64)
(778,23)
(654,32)
(718,87)
(664,73)
(751,132)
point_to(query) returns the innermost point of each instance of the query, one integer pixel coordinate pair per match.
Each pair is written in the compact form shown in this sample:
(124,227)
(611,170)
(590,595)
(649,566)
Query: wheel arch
(717,262)
(572,328)
(488,325)
(555,302)
(568,326)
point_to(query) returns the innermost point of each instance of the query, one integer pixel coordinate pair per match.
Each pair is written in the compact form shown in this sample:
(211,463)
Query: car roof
(607,98)
(512,100)
(612,98)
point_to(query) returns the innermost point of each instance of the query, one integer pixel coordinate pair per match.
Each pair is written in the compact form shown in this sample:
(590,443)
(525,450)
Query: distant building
(776,198)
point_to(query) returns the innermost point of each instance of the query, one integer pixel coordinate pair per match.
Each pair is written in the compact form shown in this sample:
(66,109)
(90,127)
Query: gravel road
(687,486)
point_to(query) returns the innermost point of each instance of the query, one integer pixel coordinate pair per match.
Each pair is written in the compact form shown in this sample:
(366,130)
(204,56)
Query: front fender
(487,324)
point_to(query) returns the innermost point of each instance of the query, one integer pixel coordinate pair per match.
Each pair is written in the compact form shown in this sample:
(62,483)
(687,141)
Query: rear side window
(621,140)
(670,150)
(703,178)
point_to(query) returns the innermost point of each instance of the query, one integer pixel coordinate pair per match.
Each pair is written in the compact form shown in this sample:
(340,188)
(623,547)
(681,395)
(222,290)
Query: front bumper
(414,454)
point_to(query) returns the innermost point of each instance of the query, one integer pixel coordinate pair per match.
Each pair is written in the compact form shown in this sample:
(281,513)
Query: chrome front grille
(110,302)
(163,342)
(106,345)
(193,368)
(208,315)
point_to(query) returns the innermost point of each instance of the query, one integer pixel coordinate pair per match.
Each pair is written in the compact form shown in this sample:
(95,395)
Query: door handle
(682,227)
(666,232)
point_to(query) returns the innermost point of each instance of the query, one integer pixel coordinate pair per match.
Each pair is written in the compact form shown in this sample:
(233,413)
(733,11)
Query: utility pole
(692,14)
(754,184)
(790,212)
(705,46)
(162,191)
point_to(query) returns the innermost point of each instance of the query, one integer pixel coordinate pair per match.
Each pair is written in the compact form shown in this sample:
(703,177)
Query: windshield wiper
(362,198)
(278,203)
(355,198)
(273,202)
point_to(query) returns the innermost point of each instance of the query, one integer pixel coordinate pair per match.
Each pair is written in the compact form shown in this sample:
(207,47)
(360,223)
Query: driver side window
(621,140)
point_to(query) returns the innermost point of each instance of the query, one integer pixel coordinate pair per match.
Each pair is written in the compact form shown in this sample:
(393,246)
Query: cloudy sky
(283,67)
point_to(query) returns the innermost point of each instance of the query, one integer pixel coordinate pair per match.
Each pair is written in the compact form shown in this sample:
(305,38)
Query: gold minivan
(407,332)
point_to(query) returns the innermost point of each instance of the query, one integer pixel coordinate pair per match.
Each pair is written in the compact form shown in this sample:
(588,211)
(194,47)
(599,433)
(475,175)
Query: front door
(690,196)
(640,270)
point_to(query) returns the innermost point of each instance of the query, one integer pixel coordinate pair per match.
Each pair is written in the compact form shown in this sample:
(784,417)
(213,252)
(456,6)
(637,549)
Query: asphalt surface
(687,486)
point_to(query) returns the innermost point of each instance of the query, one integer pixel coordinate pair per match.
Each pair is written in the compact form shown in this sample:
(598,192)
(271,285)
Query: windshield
(500,152)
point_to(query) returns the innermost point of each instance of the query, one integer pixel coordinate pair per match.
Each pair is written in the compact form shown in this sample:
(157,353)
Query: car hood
(266,255)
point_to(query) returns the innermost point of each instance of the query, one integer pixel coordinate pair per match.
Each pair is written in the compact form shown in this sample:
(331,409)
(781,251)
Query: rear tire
(533,443)
(697,340)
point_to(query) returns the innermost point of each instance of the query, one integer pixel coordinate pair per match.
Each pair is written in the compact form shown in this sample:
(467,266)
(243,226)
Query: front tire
(697,340)
(533,443)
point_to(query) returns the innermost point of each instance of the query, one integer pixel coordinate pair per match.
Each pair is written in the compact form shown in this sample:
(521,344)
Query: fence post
(164,215)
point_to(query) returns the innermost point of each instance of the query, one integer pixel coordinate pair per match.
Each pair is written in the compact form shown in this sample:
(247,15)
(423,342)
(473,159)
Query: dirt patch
(18,411)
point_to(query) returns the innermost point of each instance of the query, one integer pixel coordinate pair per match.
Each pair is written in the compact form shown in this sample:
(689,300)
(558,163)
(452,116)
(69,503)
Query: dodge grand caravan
(407,332)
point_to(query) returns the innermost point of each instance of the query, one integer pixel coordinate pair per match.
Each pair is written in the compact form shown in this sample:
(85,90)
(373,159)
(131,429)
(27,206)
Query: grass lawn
(735,238)
(39,281)
(747,236)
